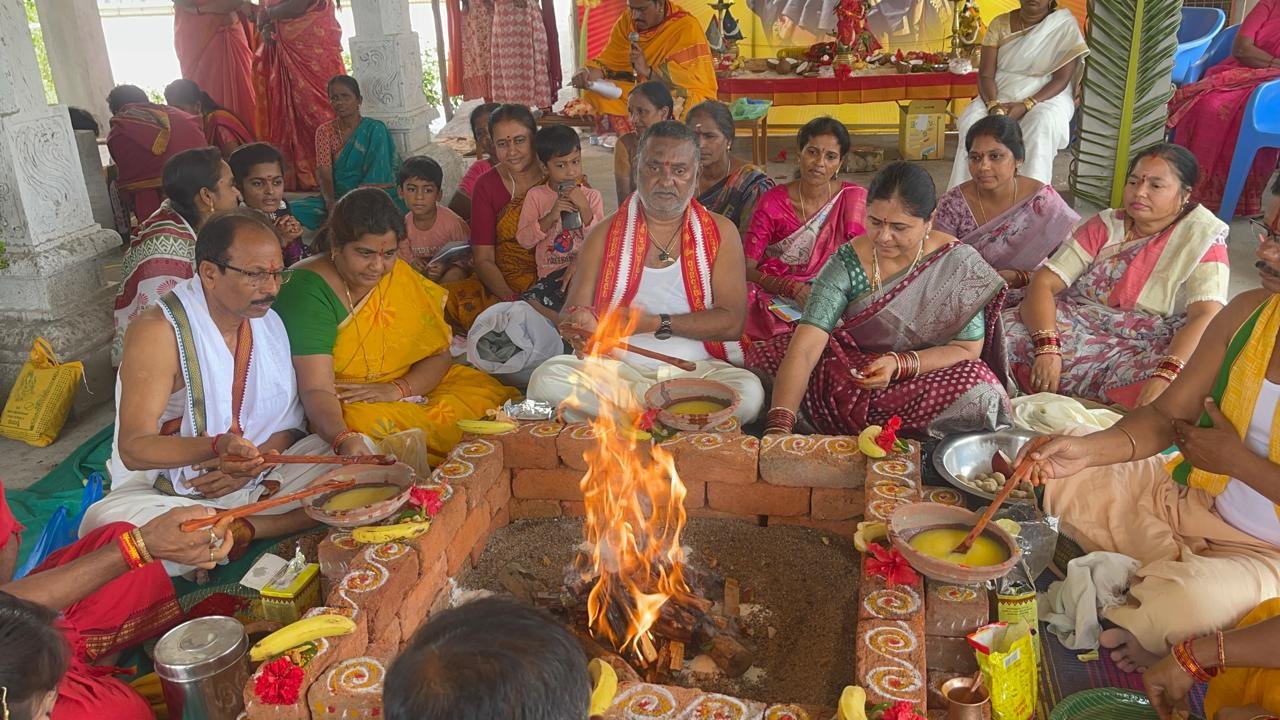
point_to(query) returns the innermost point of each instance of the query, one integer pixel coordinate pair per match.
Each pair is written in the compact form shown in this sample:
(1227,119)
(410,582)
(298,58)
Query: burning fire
(634,507)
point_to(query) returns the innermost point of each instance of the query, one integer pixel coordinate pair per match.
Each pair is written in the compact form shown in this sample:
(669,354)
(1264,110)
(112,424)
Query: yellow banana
(304,630)
(853,703)
(378,534)
(485,427)
(867,442)
(604,685)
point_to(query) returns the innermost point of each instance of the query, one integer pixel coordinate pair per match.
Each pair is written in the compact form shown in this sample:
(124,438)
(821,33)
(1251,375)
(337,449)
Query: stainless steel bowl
(966,455)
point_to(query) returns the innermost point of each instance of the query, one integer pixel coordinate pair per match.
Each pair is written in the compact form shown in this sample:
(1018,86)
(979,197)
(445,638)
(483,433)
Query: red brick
(533,509)
(695,495)
(415,608)
(500,494)
(536,484)
(955,610)
(942,496)
(758,499)
(898,467)
(936,680)
(530,445)
(843,528)
(336,552)
(900,602)
(949,654)
(828,461)
(432,544)
(473,464)
(902,644)
(474,529)
(572,508)
(572,442)
(719,457)
(706,512)
(500,519)
(836,503)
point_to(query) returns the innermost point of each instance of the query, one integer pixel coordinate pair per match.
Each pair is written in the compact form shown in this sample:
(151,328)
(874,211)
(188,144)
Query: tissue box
(286,598)
(921,129)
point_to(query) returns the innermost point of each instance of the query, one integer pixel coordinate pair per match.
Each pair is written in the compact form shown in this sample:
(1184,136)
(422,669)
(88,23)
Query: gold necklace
(978,194)
(804,214)
(664,251)
(875,261)
(369,374)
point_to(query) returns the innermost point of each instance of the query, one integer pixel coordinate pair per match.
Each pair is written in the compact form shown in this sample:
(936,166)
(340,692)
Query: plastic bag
(1007,659)
(749,108)
(409,447)
(62,529)
(512,337)
(41,397)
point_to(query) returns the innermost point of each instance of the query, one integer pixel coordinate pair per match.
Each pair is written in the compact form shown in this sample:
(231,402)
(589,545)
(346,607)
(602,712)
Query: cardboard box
(921,129)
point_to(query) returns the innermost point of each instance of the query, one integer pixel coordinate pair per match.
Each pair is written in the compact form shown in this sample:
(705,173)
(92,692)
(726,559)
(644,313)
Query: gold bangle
(991,104)
(1030,103)
(1133,444)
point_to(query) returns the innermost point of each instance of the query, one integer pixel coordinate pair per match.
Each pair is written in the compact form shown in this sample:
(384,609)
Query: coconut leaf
(1124,92)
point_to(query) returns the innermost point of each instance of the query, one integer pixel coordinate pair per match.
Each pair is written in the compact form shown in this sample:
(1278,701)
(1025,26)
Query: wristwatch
(664,327)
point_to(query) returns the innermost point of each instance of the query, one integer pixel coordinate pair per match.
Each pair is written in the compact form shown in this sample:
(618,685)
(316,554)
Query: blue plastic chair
(1218,50)
(1259,129)
(1198,28)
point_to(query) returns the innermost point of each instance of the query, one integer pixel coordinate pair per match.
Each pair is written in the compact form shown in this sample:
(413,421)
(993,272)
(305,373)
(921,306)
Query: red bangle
(1187,661)
(340,437)
(129,549)
(214,445)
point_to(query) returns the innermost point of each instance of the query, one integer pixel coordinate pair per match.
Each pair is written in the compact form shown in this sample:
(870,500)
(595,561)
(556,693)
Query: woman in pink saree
(903,320)
(214,42)
(796,227)
(1014,221)
(301,50)
(1204,114)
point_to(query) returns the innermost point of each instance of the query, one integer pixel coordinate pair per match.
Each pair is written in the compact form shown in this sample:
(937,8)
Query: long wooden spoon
(681,363)
(1015,479)
(277,459)
(255,508)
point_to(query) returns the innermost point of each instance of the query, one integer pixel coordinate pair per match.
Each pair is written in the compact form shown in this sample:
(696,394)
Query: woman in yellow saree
(369,340)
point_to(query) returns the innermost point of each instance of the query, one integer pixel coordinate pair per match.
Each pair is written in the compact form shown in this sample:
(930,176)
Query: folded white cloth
(1053,413)
(1096,581)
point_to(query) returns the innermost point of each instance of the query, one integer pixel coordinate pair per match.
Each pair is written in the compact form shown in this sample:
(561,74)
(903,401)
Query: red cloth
(553,45)
(224,131)
(9,526)
(214,53)
(291,72)
(453,67)
(488,199)
(142,139)
(134,607)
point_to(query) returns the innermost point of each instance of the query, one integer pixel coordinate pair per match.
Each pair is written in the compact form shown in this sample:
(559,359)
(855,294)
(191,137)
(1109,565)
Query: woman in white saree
(1030,59)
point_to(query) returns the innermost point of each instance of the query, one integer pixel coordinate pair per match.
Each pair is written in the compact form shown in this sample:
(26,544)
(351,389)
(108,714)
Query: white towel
(1097,581)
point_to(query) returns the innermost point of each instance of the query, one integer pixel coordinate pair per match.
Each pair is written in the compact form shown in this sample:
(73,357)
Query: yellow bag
(1007,659)
(41,397)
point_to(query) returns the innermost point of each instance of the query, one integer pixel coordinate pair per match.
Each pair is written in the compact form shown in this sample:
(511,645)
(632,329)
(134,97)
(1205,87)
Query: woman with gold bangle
(1030,59)
(1119,308)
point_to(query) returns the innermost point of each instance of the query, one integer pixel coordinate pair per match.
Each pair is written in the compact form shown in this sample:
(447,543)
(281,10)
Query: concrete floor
(27,464)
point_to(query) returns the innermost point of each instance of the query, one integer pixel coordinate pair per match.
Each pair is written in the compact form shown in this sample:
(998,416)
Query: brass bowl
(400,475)
(669,392)
(910,520)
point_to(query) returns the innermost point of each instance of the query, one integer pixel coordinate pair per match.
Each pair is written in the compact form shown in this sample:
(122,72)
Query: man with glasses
(677,274)
(653,40)
(206,388)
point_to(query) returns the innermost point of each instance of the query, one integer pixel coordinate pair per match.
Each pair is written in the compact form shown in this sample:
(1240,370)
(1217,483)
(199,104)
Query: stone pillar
(53,285)
(387,61)
(77,53)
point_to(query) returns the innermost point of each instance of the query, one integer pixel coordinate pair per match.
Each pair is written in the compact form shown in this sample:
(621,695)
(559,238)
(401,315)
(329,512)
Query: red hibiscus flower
(890,565)
(901,710)
(427,499)
(647,419)
(889,434)
(279,682)
(843,71)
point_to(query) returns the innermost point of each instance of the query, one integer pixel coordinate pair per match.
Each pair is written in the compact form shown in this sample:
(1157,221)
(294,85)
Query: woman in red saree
(222,128)
(214,41)
(796,227)
(1204,113)
(901,321)
(301,50)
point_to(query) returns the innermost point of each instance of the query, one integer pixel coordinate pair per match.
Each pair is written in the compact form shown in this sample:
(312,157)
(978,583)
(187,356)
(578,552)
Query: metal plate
(968,454)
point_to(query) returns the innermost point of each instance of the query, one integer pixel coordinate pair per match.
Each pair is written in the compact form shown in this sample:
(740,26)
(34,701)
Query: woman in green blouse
(901,321)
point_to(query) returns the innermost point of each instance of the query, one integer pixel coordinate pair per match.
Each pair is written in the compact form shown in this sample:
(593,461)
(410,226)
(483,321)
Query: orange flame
(634,505)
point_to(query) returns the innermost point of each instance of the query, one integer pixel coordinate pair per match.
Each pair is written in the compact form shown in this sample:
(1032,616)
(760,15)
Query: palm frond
(1124,92)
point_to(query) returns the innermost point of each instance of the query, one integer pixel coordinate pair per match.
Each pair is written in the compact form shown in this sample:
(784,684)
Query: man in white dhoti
(1031,58)
(677,270)
(206,386)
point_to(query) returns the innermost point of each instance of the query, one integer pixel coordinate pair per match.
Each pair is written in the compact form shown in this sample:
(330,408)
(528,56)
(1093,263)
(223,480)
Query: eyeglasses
(258,278)
(1265,233)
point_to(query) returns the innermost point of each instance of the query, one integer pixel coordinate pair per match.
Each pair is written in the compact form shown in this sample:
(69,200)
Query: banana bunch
(378,534)
(867,442)
(485,427)
(302,631)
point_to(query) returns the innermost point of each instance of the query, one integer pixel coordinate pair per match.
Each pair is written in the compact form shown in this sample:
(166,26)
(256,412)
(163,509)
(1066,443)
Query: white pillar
(77,53)
(53,285)
(387,61)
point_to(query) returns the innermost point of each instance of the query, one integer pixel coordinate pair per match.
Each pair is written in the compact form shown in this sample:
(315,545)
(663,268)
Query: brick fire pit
(534,471)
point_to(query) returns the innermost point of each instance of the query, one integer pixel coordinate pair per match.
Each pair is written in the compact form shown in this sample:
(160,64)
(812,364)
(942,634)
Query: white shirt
(662,290)
(1240,505)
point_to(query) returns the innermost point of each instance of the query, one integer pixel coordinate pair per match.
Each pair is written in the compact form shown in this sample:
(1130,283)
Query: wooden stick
(278,459)
(643,352)
(1020,473)
(254,508)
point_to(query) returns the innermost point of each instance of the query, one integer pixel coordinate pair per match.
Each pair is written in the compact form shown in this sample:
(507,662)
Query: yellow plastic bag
(1007,659)
(41,397)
